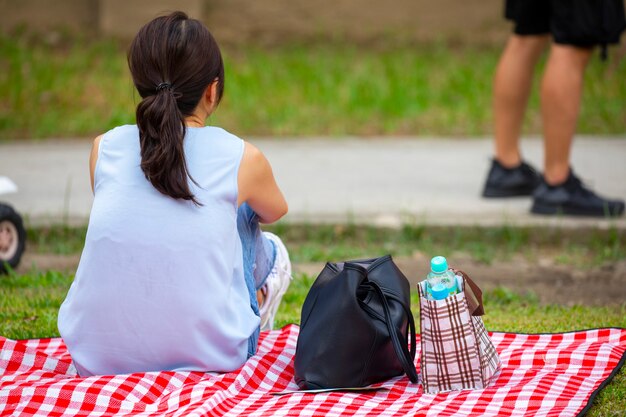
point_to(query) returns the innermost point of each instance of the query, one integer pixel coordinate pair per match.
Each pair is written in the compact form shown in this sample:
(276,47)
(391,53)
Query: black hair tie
(164,86)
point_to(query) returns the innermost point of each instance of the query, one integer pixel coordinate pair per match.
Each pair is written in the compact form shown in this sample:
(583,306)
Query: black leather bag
(355,323)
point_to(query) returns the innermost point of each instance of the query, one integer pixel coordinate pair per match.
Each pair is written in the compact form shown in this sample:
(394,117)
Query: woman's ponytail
(161,134)
(173,59)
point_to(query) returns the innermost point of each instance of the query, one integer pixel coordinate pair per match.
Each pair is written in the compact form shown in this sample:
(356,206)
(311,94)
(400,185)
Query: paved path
(381,181)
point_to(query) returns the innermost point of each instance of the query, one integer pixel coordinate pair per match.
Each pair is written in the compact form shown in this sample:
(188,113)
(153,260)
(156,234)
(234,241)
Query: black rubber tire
(7,214)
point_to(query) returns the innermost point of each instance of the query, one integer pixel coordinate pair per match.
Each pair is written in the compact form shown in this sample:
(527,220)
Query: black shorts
(573,22)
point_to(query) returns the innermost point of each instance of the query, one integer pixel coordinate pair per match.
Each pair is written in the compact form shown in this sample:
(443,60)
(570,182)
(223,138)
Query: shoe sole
(500,193)
(569,211)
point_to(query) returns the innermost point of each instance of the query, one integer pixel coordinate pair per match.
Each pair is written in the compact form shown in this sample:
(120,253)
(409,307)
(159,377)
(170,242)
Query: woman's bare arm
(93,159)
(257,186)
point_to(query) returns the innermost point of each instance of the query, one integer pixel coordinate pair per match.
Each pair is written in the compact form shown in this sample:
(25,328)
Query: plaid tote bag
(457,352)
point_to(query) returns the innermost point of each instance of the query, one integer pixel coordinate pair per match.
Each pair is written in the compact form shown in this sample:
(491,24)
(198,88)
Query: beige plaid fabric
(456,352)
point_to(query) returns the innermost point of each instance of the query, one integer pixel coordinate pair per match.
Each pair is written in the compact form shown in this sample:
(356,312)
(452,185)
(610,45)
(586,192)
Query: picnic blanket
(542,375)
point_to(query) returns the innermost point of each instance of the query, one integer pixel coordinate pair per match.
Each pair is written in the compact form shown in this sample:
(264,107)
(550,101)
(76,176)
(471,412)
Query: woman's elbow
(281,212)
(276,215)
(285,210)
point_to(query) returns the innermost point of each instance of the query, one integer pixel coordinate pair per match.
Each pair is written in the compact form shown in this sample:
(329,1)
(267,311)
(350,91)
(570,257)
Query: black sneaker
(573,198)
(510,182)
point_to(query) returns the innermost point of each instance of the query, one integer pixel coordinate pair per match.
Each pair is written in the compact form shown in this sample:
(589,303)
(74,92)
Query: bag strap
(412,331)
(473,295)
(399,345)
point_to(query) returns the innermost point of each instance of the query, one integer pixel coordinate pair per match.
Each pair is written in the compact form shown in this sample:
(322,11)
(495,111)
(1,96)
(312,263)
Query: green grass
(583,248)
(81,87)
(29,303)
(57,239)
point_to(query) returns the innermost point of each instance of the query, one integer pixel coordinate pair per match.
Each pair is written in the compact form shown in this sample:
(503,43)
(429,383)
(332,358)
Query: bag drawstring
(399,345)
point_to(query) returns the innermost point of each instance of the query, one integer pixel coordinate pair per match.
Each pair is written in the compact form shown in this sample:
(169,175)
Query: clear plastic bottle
(441,281)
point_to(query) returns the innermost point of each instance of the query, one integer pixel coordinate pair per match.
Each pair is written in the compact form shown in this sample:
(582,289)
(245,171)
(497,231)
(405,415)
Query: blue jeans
(258,259)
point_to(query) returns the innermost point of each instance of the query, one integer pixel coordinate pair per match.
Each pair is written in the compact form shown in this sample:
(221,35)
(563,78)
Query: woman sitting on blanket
(175,267)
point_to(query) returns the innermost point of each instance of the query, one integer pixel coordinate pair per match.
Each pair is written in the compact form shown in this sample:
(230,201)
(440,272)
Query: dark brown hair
(173,59)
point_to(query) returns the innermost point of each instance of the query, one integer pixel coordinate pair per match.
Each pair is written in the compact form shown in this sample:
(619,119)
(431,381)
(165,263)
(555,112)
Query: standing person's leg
(267,269)
(561,92)
(560,191)
(509,175)
(511,89)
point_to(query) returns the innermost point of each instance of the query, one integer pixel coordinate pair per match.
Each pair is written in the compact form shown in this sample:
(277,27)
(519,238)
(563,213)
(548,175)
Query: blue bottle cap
(439,264)
(439,291)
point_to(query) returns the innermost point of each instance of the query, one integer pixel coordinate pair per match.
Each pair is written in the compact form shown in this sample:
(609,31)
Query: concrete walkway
(381,181)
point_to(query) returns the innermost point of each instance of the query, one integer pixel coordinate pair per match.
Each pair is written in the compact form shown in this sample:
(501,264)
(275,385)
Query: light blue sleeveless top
(160,283)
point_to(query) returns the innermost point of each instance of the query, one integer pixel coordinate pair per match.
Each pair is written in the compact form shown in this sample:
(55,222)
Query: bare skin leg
(512,84)
(561,91)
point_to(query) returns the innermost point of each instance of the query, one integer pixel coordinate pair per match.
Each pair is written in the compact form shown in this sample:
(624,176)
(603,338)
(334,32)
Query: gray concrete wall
(273,21)
(359,21)
(123,17)
(45,14)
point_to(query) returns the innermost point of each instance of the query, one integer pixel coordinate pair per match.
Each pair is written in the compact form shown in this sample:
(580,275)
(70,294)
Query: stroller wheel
(12,238)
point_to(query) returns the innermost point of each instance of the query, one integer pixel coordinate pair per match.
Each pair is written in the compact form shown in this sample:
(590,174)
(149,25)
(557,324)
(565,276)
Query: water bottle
(440,281)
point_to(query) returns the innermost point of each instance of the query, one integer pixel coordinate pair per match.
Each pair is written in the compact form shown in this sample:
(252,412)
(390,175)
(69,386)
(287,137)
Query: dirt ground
(552,283)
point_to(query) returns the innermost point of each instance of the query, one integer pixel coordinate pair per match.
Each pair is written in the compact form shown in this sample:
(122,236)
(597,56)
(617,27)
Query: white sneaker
(276,284)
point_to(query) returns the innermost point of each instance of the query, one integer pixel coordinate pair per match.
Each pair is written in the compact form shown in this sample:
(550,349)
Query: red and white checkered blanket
(542,375)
